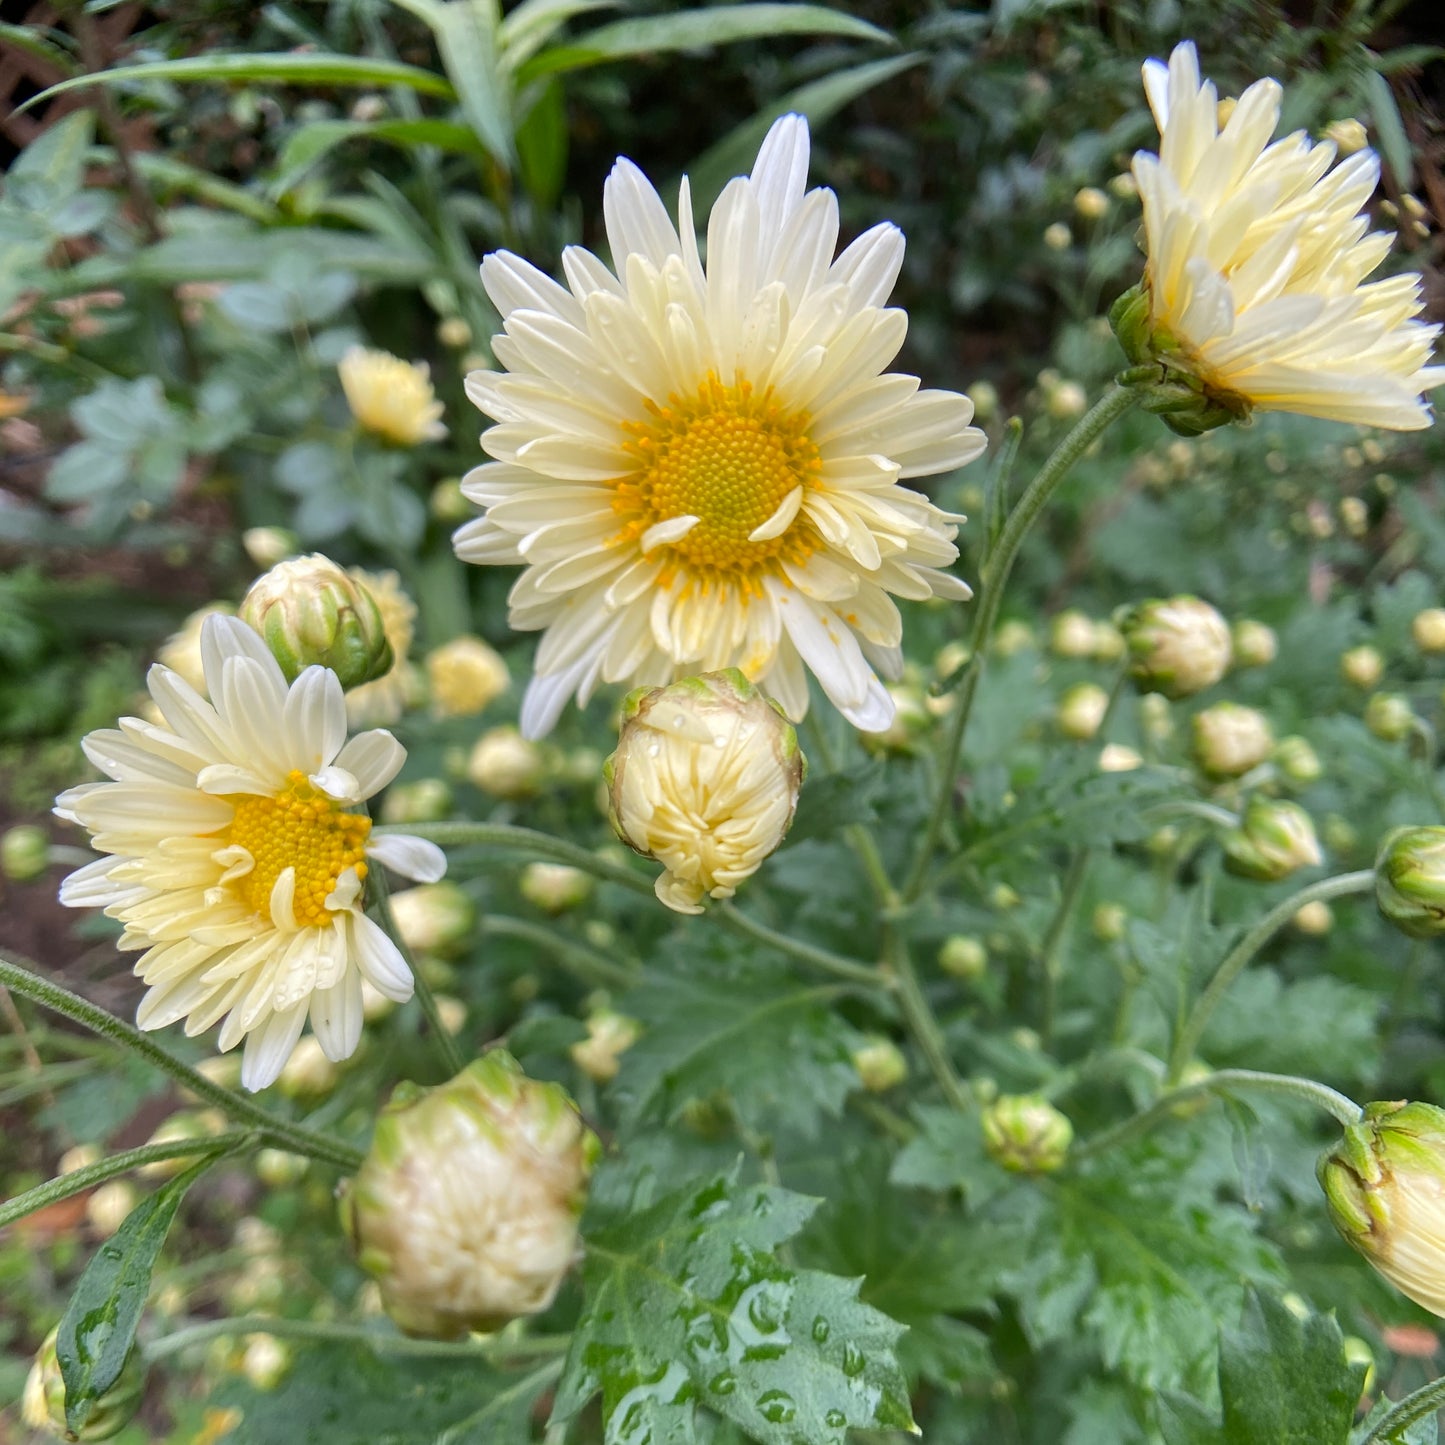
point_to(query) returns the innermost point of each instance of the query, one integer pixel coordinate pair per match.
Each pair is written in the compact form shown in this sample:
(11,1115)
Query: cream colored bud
(1109,922)
(705,780)
(1354,516)
(1058,237)
(1109,643)
(963,957)
(311,613)
(1349,135)
(1428,629)
(427,800)
(186,1125)
(1124,185)
(1004,898)
(951,656)
(1156,717)
(1026,1134)
(1067,400)
(1116,758)
(1229,739)
(1314,919)
(42,1406)
(454,332)
(451,1014)
(1012,638)
(465,676)
(1072,634)
(447,504)
(504,764)
(108,1207)
(984,396)
(1362,667)
(24,853)
(265,1361)
(79,1156)
(435,918)
(1091,203)
(1081,711)
(465,1210)
(280,1169)
(555,887)
(1273,840)
(1177,646)
(1255,645)
(266,546)
(880,1064)
(391,398)
(1389,716)
(609,1036)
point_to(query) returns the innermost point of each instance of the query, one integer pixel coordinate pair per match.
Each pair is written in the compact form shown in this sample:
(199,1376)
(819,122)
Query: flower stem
(1240,955)
(999,563)
(461,834)
(595,969)
(847,969)
(1051,954)
(1224,1081)
(21,977)
(79,1180)
(1419,1406)
(924,1026)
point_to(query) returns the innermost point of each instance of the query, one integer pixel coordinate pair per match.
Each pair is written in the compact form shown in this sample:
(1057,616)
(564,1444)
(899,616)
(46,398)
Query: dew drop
(821,1329)
(836,1419)
(723,1384)
(777,1407)
(762,1313)
(854,1362)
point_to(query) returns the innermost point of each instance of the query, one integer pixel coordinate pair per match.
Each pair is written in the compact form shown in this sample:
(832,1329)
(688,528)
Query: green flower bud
(1026,1134)
(554,887)
(1410,880)
(1254,644)
(428,800)
(435,918)
(705,780)
(1109,922)
(1177,646)
(1428,629)
(1384,1184)
(1081,710)
(310,612)
(963,957)
(1274,839)
(1297,761)
(880,1064)
(24,853)
(43,1405)
(1013,637)
(1389,716)
(1229,739)
(465,1209)
(1362,667)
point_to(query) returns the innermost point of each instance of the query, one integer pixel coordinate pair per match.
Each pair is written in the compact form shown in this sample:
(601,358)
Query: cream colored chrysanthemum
(391,397)
(236,851)
(384,700)
(703,467)
(1257,258)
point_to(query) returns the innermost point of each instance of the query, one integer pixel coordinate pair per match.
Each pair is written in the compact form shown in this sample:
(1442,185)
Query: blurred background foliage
(186,253)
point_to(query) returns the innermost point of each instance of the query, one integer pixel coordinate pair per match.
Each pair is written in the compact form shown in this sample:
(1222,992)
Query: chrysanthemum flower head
(236,853)
(390,397)
(1254,293)
(702,466)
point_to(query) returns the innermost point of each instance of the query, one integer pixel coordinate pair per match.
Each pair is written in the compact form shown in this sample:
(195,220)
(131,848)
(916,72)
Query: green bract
(1410,880)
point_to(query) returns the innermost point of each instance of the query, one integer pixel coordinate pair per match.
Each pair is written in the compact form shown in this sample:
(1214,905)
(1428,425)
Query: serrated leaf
(947,1153)
(98,1327)
(830,803)
(687,1302)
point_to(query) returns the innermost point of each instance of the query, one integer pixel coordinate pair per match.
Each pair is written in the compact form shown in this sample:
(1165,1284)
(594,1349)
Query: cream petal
(269,1046)
(336,1017)
(373,758)
(414,858)
(379,959)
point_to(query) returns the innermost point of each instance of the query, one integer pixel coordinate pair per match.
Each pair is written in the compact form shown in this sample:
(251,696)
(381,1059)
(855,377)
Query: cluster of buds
(1273,840)
(705,780)
(1025,1134)
(42,1407)
(1177,646)
(1410,880)
(465,1209)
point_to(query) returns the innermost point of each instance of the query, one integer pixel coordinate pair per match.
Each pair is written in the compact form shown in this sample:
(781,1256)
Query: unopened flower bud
(1058,237)
(428,800)
(439,919)
(109,1207)
(1109,643)
(984,396)
(1004,898)
(1012,638)
(1178,646)
(43,1405)
(1026,1134)
(1071,634)
(705,780)
(1229,739)
(1066,400)
(1384,1184)
(24,853)
(880,1064)
(1315,918)
(1349,135)
(1297,761)
(1091,203)
(265,1361)
(453,331)
(185,1125)
(278,1168)
(391,398)
(447,503)
(465,676)
(1355,515)
(1109,922)
(1254,644)
(1081,710)
(465,1209)
(1156,717)
(1410,880)
(1428,629)
(1362,667)
(963,957)
(310,612)
(1389,716)
(555,887)
(504,764)
(266,546)
(1117,758)
(609,1036)
(1273,840)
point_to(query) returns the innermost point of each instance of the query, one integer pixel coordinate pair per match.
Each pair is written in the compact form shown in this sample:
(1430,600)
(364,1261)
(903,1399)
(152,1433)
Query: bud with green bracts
(1229,739)
(1410,880)
(1177,645)
(1297,762)
(24,853)
(1273,840)
(42,1406)
(1384,1184)
(705,780)
(465,1209)
(1389,716)
(311,613)
(1026,1134)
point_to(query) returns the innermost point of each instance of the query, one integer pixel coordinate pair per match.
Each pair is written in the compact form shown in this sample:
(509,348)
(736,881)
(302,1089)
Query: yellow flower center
(731,457)
(300,828)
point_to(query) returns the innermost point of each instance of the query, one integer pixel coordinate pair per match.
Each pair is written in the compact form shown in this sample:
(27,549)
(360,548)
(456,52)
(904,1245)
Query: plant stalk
(1419,1406)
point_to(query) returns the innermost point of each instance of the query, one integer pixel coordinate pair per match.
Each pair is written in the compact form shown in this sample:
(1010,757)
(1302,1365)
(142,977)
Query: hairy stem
(820,959)
(924,1026)
(595,969)
(1419,1406)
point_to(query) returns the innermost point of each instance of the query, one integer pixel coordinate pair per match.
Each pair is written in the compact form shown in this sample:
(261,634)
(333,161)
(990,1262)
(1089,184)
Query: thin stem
(1240,955)
(1419,1406)
(493,1347)
(847,969)
(1112,405)
(1225,1081)
(21,977)
(524,840)
(1051,954)
(446,1044)
(79,1180)
(920,1019)
(592,967)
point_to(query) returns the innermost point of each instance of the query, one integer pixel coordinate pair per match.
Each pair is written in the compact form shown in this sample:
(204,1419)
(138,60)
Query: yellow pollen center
(300,828)
(731,457)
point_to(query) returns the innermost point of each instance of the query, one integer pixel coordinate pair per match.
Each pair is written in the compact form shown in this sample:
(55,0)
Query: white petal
(336,1016)
(315,719)
(336,783)
(411,857)
(269,1046)
(379,959)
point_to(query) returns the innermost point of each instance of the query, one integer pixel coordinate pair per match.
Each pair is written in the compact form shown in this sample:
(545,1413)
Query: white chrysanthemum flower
(390,397)
(702,467)
(236,855)
(1258,255)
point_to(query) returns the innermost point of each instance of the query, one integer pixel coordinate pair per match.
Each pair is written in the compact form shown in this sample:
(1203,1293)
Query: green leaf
(830,803)
(166,171)
(34,40)
(734,154)
(1394,143)
(542,146)
(1422,1432)
(284,68)
(533,23)
(947,1153)
(50,169)
(99,1324)
(308,143)
(697,29)
(687,1303)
